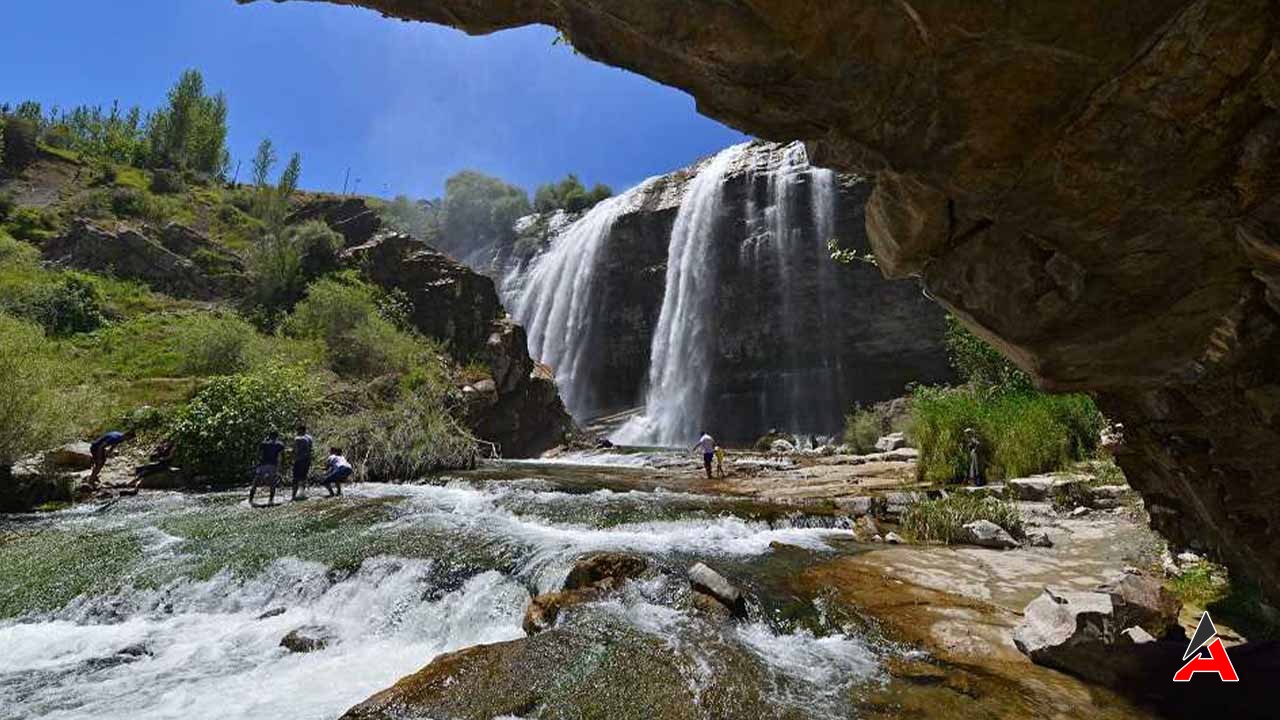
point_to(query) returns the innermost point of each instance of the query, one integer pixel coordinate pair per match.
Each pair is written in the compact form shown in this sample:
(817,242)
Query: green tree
(980,364)
(32,412)
(20,135)
(480,209)
(263,161)
(190,132)
(291,176)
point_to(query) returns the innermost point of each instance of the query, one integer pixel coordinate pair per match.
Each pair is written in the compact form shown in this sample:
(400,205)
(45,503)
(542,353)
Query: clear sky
(405,105)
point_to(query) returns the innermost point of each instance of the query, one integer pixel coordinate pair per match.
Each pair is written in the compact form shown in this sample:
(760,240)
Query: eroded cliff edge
(1090,185)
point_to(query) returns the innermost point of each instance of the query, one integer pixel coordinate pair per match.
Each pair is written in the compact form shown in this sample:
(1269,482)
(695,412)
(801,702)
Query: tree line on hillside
(186,141)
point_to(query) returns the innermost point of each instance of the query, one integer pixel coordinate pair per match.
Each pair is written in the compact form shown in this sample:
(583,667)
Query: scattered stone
(1136,636)
(1080,511)
(995,491)
(877,538)
(893,539)
(1039,538)
(308,638)
(709,606)
(891,442)
(781,447)
(1031,489)
(896,503)
(135,650)
(1187,557)
(856,506)
(72,456)
(1169,567)
(273,612)
(605,570)
(706,580)
(985,533)
(865,528)
(1143,601)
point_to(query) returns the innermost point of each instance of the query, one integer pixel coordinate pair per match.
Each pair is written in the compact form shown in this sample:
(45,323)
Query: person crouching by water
(102,449)
(708,446)
(302,446)
(269,452)
(337,469)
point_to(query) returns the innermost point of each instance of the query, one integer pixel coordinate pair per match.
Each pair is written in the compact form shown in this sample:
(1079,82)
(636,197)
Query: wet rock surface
(308,638)
(1098,201)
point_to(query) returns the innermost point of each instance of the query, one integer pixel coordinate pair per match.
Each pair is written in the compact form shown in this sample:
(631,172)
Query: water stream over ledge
(399,575)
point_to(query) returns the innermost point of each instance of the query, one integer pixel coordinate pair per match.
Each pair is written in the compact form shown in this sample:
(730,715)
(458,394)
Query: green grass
(1021,433)
(1237,603)
(941,521)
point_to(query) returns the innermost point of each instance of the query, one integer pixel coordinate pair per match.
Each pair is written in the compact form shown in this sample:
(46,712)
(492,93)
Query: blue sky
(405,105)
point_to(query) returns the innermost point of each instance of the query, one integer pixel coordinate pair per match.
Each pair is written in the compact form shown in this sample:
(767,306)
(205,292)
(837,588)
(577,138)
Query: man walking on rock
(708,446)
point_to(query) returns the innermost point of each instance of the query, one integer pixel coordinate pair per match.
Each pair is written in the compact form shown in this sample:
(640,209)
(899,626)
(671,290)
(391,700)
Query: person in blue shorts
(103,448)
(268,469)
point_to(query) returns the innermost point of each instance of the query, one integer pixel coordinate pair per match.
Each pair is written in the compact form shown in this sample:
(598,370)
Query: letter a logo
(1206,638)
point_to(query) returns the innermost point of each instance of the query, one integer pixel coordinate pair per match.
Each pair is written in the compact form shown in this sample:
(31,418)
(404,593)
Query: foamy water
(203,650)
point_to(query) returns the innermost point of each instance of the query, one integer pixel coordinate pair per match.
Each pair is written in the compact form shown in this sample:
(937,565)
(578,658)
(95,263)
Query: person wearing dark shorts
(102,448)
(268,469)
(337,469)
(302,445)
(707,445)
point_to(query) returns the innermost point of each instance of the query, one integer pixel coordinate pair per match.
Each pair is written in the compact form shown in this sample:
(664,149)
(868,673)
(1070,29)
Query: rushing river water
(188,586)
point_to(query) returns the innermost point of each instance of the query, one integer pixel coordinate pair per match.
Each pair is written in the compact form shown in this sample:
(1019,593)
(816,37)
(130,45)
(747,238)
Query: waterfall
(554,300)
(682,353)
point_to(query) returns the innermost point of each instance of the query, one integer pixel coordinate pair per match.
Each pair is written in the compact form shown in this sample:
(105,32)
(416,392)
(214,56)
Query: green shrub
(32,412)
(218,432)
(344,314)
(943,520)
(216,345)
(318,246)
(7,206)
(862,428)
(1020,433)
(131,203)
(71,306)
(276,280)
(15,253)
(1069,496)
(167,182)
(413,436)
(32,224)
(980,364)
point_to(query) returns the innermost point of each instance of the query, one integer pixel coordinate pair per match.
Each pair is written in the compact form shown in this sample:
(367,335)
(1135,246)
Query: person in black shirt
(302,444)
(268,469)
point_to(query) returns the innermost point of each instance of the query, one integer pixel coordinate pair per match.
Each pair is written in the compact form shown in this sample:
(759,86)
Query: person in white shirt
(337,469)
(708,446)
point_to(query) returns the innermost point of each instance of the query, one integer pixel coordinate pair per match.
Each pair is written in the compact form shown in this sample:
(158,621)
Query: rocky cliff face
(519,409)
(1090,185)
(795,338)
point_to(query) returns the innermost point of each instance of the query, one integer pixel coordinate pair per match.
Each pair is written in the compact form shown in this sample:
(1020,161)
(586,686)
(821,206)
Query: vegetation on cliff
(291,336)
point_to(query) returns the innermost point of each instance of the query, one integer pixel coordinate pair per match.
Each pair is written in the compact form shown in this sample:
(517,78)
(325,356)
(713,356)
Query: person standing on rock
(302,445)
(337,470)
(708,446)
(103,448)
(268,469)
(719,461)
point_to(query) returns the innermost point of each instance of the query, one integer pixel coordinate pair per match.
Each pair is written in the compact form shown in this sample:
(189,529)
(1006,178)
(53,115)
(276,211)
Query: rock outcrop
(1091,186)
(519,409)
(171,260)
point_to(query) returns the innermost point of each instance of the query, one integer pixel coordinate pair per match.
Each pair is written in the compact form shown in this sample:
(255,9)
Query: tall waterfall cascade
(554,298)
(680,360)
(707,299)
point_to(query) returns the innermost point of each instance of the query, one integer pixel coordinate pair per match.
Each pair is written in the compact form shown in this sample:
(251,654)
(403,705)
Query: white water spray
(683,345)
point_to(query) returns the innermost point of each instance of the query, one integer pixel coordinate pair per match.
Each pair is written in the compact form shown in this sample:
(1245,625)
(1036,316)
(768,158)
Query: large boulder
(985,533)
(605,569)
(1099,198)
(1069,631)
(1143,601)
(72,456)
(891,442)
